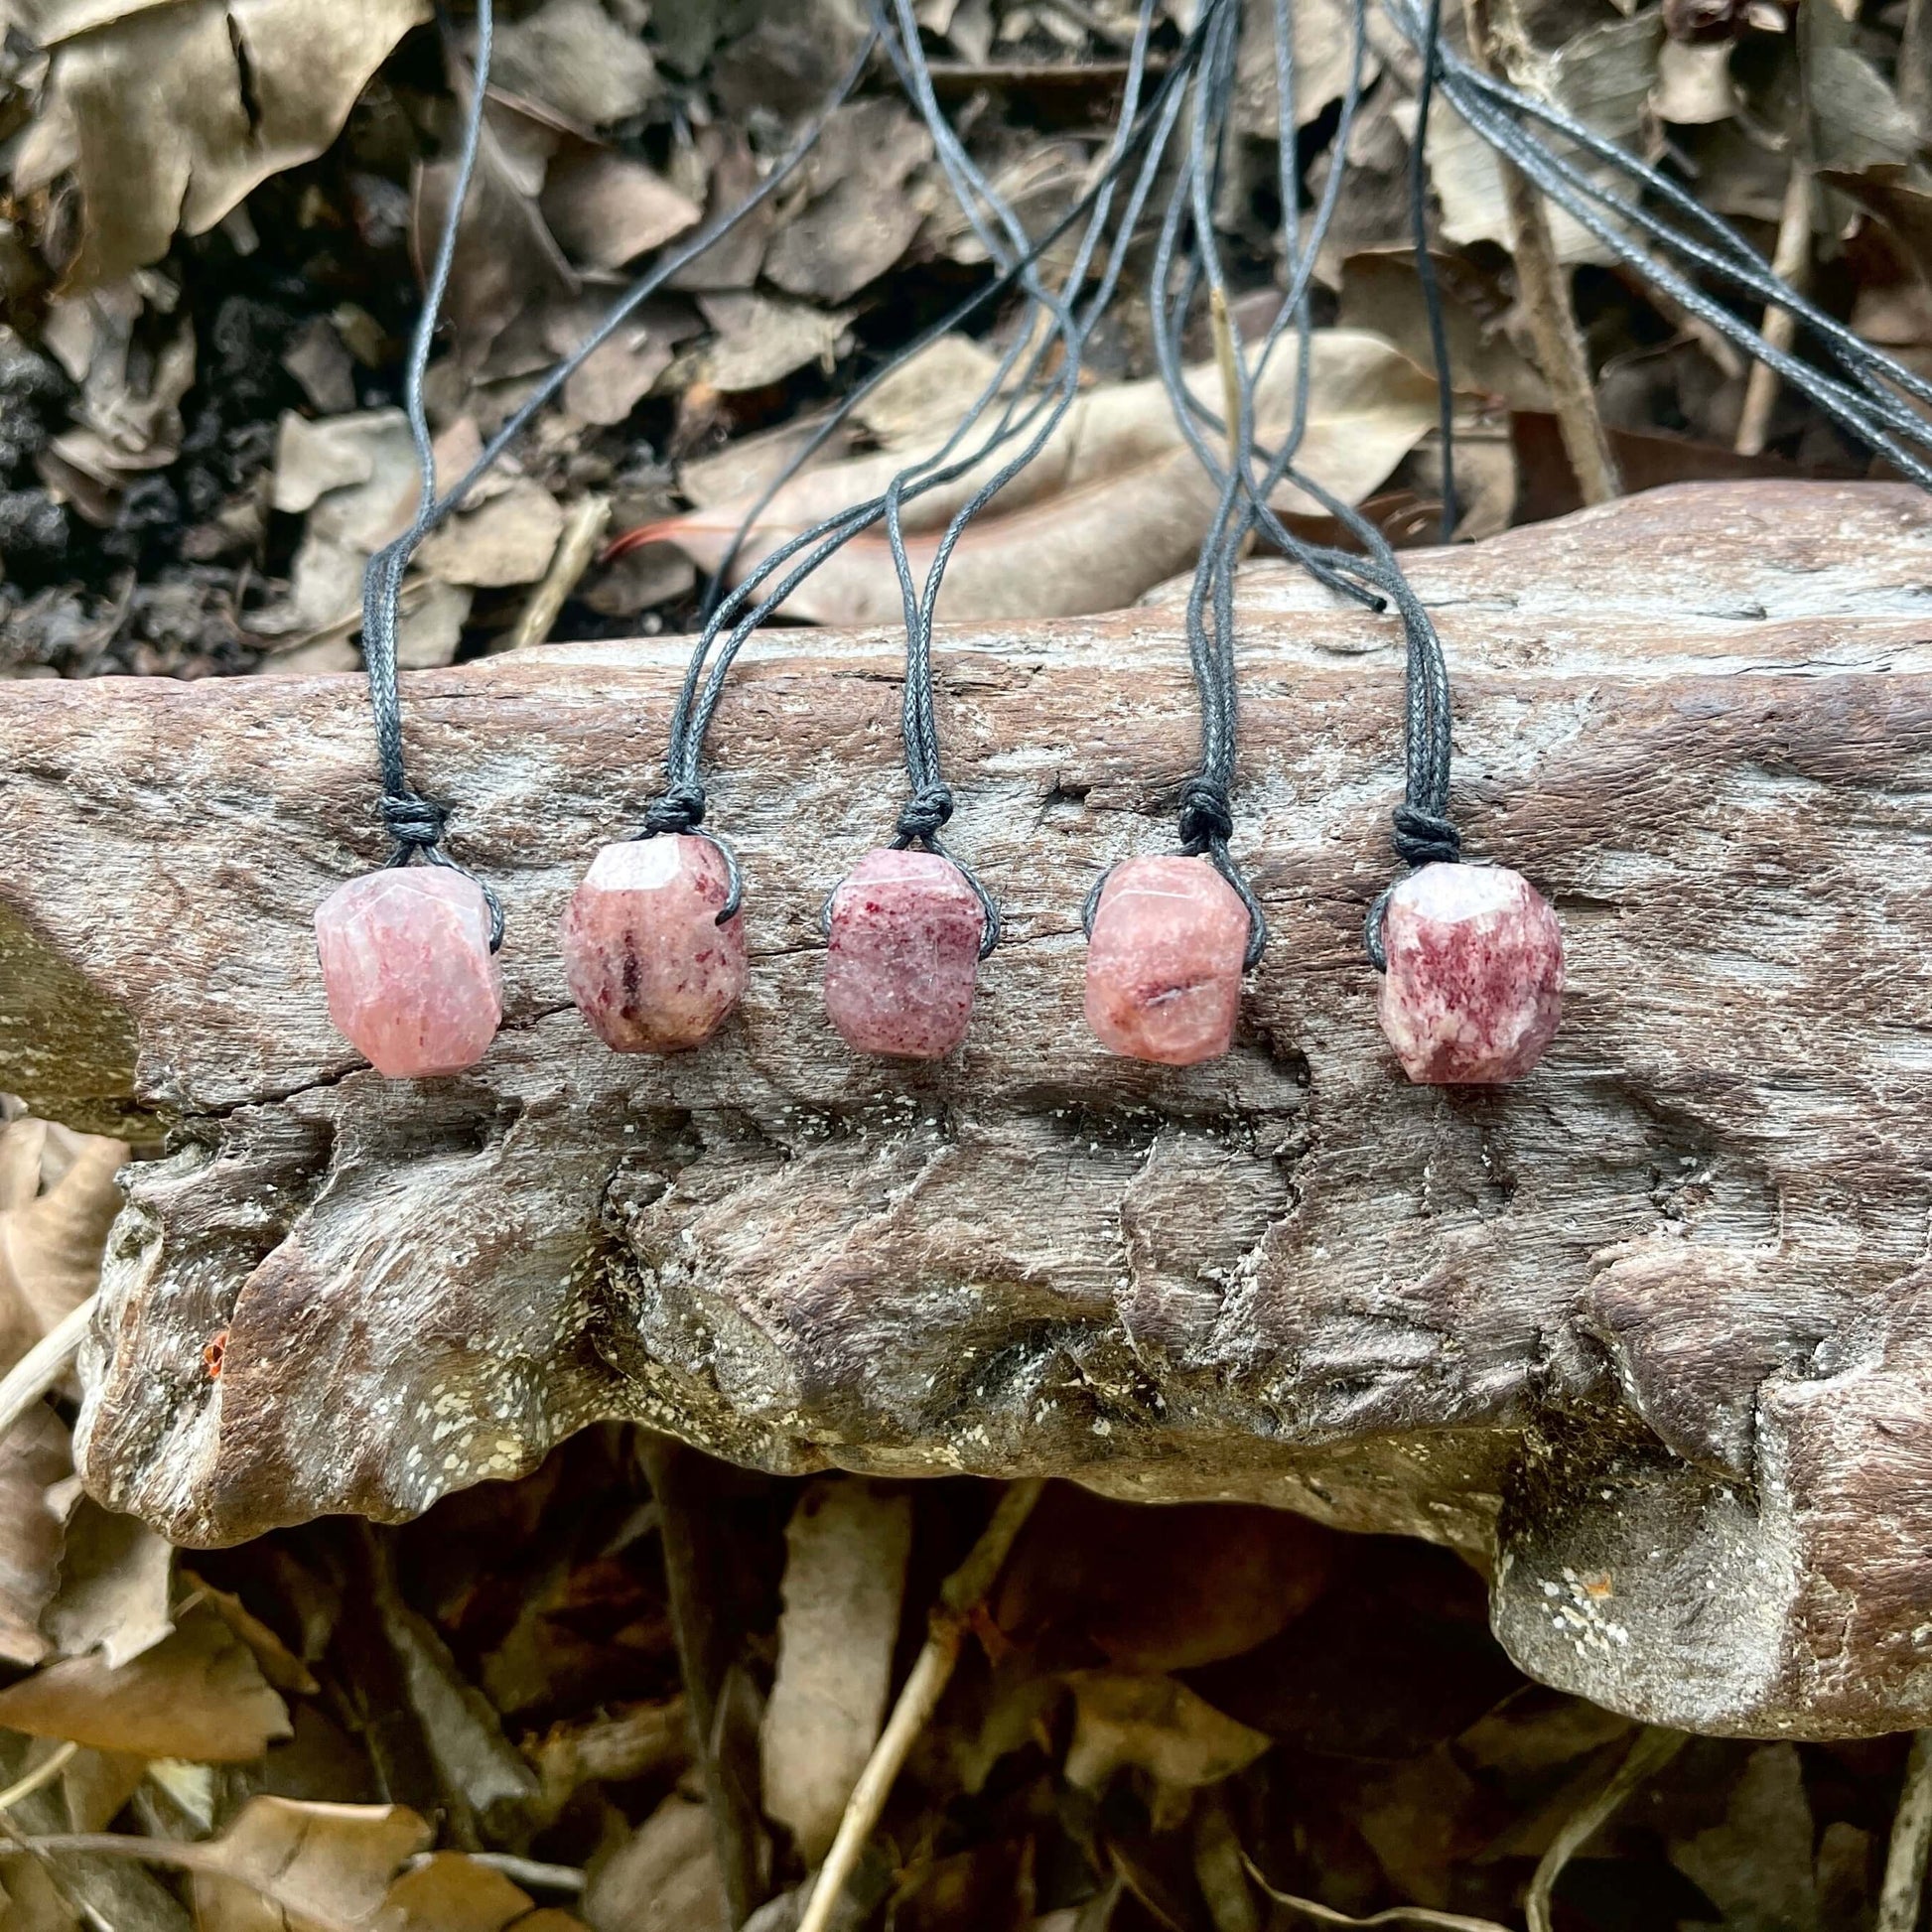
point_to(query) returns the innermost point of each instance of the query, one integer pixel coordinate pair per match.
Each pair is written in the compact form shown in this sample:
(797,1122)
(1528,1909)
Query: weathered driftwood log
(1650,1335)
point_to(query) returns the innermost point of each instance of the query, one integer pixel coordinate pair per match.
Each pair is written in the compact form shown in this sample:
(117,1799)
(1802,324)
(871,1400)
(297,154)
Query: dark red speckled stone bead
(648,965)
(903,955)
(1474,986)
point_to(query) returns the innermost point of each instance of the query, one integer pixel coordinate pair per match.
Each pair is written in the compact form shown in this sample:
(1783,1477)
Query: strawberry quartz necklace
(654,944)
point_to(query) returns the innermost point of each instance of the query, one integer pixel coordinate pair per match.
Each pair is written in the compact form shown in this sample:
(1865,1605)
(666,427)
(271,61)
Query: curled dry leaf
(1604,77)
(34,1453)
(573,58)
(607,209)
(449,1892)
(128,421)
(844,1579)
(1155,1724)
(312,1867)
(252,86)
(58,1199)
(639,1741)
(465,1735)
(199,1695)
(116,1574)
(279,1664)
(663,1878)
(859,219)
(1114,503)
(761,340)
(1190,1584)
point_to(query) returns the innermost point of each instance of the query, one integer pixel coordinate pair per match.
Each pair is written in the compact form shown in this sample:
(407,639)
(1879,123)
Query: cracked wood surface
(1648,1336)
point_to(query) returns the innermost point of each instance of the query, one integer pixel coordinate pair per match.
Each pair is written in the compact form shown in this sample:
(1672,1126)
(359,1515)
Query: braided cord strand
(416,824)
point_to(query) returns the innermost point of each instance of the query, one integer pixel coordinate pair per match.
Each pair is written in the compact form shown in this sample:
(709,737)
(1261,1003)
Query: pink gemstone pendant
(903,955)
(1474,984)
(650,968)
(1165,961)
(406,964)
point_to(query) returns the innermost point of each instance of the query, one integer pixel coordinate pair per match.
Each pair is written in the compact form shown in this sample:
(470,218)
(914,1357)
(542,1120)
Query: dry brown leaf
(1603,77)
(116,1574)
(643,1740)
(1694,85)
(1156,1724)
(198,1694)
(306,1868)
(1324,57)
(926,393)
(1756,1866)
(607,209)
(507,263)
(1115,502)
(663,1878)
(507,540)
(761,340)
(451,1893)
(179,107)
(617,376)
(128,421)
(461,1727)
(35,1455)
(847,1546)
(58,1199)
(1186,1588)
(279,1664)
(571,55)
(859,217)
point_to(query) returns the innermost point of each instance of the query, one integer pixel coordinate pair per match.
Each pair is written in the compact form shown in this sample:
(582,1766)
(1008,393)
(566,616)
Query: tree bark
(1645,1335)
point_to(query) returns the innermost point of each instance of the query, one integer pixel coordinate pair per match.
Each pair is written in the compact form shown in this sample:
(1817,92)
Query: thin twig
(1790,259)
(531,1873)
(583,532)
(43,1773)
(688,1537)
(1915,65)
(44,1364)
(1541,279)
(960,1595)
(1902,1895)
(1653,1749)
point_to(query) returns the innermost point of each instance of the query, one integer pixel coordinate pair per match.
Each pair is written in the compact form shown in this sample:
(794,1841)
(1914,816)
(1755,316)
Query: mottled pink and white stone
(646,961)
(903,955)
(1473,989)
(408,972)
(1165,962)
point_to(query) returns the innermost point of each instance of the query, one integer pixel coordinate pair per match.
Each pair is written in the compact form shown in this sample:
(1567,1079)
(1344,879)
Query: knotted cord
(417,823)
(1022,404)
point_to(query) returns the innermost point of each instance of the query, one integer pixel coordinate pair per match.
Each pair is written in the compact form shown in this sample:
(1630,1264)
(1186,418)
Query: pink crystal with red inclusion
(648,963)
(1165,962)
(1473,989)
(407,968)
(903,955)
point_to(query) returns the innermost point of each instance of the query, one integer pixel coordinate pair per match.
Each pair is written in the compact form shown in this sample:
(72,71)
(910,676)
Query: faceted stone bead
(648,963)
(1165,963)
(407,968)
(903,955)
(1474,984)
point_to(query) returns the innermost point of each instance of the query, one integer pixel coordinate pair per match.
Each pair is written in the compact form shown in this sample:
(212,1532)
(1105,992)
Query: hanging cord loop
(416,823)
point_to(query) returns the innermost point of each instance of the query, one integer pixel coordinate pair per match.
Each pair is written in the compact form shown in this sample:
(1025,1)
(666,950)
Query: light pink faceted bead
(1165,963)
(406,964)
(650,968)
(903,955)
(1473,989)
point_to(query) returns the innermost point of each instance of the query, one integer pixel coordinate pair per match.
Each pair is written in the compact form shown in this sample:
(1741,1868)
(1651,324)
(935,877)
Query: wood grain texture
(1648,1336)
